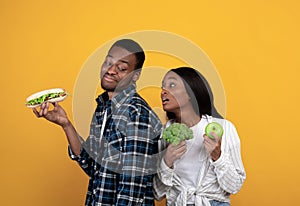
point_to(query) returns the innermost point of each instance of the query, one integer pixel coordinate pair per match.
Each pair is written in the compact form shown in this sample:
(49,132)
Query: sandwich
(50,95)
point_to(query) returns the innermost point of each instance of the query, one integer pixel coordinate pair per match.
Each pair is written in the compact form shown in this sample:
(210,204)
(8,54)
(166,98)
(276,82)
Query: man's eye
(107,63)
(121,69)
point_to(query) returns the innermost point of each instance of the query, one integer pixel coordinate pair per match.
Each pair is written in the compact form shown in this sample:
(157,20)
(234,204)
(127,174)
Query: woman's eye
(172,85)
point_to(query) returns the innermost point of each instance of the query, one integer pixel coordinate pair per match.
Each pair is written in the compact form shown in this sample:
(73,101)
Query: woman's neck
(188,118)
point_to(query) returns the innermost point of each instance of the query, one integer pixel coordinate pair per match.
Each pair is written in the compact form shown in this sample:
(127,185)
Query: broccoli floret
(176,133)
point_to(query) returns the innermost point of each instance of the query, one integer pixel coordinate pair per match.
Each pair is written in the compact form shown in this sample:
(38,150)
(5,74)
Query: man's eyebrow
(124,61)
(121,60)
(110,56)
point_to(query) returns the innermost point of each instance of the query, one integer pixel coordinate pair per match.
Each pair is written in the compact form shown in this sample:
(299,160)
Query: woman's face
(174,95)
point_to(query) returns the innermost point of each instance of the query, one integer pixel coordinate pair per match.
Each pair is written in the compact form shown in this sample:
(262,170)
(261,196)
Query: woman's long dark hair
(199,91)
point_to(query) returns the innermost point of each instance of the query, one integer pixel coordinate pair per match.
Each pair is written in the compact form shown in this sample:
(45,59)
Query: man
(119,153)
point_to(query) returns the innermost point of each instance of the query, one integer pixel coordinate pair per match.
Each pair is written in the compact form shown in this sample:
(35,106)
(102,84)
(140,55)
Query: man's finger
(41,110)
(46,107)
(36,112)
(56,105)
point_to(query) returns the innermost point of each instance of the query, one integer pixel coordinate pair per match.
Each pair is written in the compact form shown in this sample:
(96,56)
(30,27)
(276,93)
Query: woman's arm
(229,167)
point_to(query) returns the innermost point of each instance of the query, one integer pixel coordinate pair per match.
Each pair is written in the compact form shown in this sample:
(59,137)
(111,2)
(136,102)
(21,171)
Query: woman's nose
(163,91)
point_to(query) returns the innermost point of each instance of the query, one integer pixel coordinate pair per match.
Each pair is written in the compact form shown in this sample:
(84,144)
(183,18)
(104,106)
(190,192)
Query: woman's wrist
(169,163)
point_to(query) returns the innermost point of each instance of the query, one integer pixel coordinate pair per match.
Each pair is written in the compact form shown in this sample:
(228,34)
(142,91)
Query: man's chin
(108,88)
(117,89)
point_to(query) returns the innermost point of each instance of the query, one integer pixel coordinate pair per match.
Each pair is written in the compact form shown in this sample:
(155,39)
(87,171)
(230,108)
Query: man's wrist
(66,125)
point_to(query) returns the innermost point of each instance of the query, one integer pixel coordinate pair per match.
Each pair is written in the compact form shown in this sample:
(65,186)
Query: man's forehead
(116,51)
(121,54)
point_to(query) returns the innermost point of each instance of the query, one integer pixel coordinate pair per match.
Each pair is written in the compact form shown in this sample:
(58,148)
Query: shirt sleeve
(88,151)
(137,160)
(165,176)
(229,167)
(162,181)
(83,159)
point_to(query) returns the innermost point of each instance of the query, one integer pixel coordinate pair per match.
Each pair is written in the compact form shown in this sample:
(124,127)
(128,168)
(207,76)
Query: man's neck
(111,95)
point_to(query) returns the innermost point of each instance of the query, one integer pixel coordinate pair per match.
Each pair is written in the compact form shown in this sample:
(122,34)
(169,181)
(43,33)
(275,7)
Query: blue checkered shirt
(121,162)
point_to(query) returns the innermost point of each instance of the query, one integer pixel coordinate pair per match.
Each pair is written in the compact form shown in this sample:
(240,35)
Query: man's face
(118,70)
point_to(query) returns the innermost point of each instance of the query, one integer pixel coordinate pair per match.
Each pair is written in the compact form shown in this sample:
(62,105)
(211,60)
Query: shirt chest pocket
(112,147)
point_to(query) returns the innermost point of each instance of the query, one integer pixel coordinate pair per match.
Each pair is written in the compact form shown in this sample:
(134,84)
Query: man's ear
(136,75)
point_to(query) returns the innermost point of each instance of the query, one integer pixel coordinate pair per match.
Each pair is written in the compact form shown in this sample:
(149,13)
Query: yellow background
(253,44)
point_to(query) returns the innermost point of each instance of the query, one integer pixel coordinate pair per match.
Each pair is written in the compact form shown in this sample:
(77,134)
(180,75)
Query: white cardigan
(217,180)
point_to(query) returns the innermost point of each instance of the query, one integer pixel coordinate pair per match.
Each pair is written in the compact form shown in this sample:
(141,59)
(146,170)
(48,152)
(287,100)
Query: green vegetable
(176,133)
(44,97)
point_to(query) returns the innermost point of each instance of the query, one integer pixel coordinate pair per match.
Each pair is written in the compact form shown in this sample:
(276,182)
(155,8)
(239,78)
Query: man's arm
(59,116)
(73,138)
(78,149)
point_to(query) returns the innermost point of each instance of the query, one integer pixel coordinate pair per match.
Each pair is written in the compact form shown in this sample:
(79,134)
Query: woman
(200,171)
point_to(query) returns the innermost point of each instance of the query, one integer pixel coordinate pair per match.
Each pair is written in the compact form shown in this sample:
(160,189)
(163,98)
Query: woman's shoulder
(223,122)
(168,123)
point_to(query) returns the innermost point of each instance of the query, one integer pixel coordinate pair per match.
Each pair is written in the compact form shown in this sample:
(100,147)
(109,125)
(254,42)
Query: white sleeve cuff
(165,173)
(219,162)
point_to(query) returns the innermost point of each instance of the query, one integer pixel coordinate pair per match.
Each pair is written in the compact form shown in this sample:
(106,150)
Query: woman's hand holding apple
(213,146)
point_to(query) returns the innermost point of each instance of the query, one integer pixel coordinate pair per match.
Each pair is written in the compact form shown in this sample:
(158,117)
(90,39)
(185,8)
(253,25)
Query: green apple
(214,127)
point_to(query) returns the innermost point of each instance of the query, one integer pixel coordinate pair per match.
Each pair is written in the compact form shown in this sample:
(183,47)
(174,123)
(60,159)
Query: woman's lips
(164,101)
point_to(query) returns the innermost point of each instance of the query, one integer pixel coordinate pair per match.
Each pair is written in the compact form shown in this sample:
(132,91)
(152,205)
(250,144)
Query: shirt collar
(117,100)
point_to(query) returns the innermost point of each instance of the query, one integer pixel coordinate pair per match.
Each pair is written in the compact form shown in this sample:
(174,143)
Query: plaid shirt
(121,162)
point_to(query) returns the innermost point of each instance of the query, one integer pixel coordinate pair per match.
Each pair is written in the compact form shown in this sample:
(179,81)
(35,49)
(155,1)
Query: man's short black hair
(134,48)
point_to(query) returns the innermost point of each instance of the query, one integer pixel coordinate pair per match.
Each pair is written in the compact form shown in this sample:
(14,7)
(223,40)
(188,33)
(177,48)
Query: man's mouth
(108,78)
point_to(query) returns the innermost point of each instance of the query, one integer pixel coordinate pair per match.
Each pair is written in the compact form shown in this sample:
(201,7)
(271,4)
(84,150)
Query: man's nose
(112,69)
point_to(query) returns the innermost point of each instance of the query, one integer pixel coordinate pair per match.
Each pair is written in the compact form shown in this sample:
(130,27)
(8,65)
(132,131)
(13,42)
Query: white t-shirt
(217,179)
(192,161)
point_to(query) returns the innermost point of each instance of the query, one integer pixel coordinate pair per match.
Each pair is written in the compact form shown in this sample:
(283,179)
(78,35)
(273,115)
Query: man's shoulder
(136,97)
(137,102)
(139,106)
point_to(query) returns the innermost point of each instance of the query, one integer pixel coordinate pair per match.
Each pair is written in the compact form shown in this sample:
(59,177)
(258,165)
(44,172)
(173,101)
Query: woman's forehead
(171,75)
